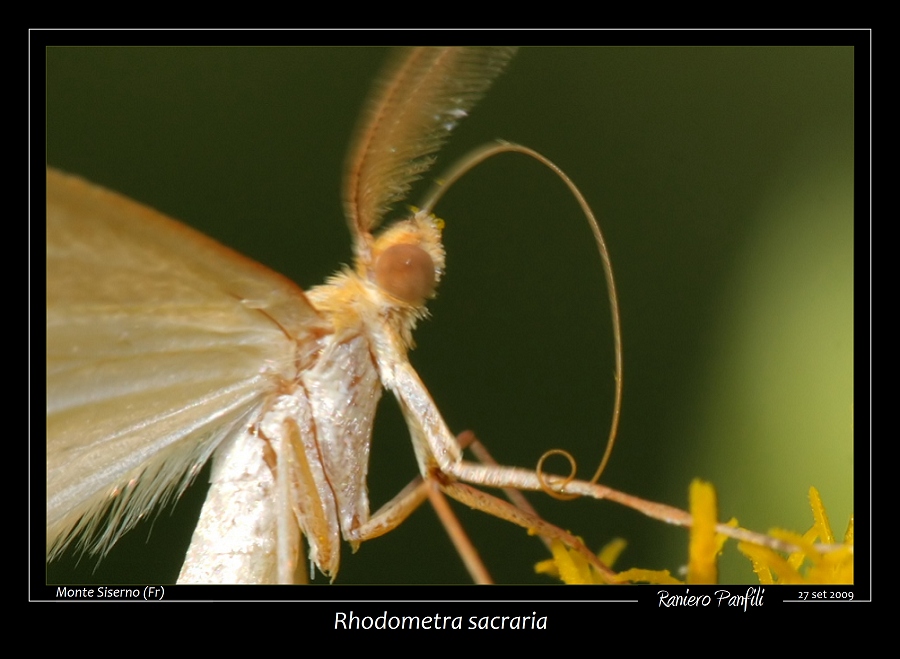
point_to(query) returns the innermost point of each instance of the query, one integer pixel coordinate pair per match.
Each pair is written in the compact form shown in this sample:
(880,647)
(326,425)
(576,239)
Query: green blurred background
(723,180)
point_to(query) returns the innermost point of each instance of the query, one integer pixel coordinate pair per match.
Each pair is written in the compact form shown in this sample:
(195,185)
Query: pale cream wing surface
(160,344)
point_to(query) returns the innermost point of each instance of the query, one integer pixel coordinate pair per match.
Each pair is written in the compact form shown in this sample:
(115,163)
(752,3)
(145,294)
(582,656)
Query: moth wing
(161,343)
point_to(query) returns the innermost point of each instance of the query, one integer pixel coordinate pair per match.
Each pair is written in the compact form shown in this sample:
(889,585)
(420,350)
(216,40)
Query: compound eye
(406,272)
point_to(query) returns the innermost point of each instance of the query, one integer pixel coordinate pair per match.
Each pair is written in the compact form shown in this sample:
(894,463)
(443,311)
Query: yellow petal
(703,545)
(572,566)
(661,577)
(610,553)
(764,558)
(818,509)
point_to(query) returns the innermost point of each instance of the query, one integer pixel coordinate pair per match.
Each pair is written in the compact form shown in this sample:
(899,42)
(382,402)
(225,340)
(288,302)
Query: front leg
(436,447)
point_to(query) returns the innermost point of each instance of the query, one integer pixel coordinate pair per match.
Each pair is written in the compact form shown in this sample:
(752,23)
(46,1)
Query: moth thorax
(406,272)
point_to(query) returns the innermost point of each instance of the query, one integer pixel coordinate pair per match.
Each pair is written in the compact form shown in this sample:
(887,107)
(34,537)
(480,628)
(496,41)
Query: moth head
(408,260)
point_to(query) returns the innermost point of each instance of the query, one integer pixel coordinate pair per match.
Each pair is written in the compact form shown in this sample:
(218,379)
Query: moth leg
(467,439)
(440,458)
(436,447)
(458,535)
(290,568)
(475,498)
(393,513)
(521,513)
(304,501)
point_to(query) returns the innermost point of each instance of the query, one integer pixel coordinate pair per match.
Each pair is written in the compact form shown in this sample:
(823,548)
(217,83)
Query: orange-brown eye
(406,272)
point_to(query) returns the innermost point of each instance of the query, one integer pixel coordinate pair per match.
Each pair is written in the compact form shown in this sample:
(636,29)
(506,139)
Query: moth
(166,349)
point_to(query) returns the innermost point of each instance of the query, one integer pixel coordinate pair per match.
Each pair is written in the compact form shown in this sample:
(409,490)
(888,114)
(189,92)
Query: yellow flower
(572,568)
(809,565)
(705,546)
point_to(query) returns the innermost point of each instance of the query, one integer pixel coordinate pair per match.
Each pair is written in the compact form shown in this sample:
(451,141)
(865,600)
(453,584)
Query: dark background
(722,178)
